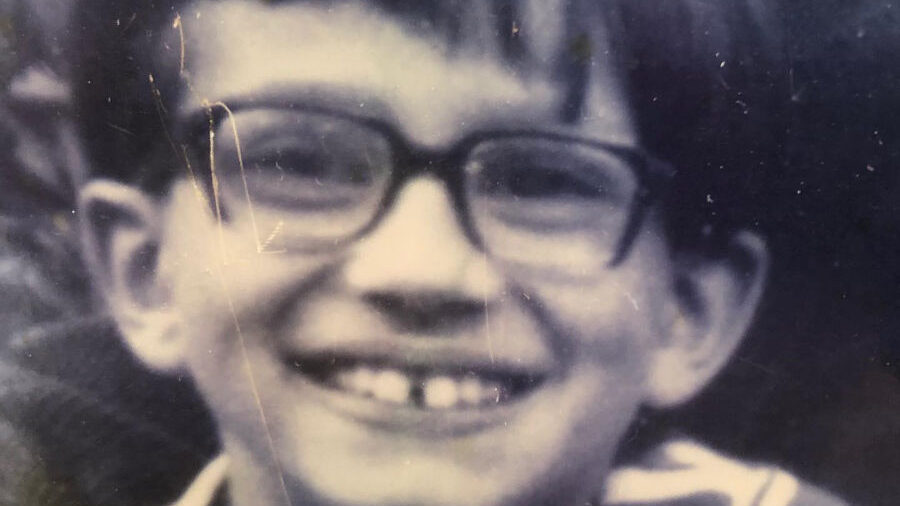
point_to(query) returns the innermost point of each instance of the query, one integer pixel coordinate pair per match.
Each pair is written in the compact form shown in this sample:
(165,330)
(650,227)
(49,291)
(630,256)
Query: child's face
(411,365)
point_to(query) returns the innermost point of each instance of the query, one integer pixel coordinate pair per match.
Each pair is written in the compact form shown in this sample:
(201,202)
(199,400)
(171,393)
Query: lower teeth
(432,392)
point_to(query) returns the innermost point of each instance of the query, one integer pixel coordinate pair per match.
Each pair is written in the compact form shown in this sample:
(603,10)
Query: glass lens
(549,203)
(316,177)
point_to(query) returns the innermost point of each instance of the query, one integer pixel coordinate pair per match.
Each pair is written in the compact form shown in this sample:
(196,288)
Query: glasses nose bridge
(447,166)
(418,161)
(417,250)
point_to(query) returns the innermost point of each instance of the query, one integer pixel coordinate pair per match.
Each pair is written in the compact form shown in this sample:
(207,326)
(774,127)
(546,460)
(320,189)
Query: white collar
(206,485)
(679,469)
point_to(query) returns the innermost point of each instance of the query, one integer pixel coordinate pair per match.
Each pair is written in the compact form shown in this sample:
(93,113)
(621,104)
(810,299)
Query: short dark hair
(708,83)
(703,78)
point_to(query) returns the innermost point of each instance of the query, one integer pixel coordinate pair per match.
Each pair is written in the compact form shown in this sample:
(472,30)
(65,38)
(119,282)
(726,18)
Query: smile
(429,387)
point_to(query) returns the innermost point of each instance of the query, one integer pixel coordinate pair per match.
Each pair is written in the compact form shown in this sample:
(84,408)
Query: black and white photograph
(449,253)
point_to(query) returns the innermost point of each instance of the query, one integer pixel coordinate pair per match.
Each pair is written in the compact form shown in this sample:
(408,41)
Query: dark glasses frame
(651,173)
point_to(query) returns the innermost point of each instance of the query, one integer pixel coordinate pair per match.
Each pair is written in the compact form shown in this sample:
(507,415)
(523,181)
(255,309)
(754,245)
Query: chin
(433,484)
(548,448)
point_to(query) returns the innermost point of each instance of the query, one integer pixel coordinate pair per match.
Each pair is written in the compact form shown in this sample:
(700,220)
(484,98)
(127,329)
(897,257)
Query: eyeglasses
(521,196)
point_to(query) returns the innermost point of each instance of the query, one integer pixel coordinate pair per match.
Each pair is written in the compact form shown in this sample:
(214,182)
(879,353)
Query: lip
(415,358)
(424,352)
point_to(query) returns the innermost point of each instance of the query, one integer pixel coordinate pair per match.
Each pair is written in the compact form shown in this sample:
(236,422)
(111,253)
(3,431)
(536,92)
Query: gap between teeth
(434,392)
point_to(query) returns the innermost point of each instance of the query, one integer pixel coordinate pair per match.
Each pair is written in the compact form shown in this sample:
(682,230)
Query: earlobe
(120,241)
(716,300)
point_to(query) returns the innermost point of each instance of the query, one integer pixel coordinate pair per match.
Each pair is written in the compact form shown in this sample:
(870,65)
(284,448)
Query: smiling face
(404,360)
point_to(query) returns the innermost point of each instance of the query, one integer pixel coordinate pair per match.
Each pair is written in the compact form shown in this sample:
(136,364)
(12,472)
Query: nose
(418,266)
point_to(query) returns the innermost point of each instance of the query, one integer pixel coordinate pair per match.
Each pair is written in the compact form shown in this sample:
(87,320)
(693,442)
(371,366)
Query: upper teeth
(391,386)
(434,392)
(441,392)
(474,391)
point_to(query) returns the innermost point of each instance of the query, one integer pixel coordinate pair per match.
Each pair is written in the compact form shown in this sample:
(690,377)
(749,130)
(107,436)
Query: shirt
(681,471)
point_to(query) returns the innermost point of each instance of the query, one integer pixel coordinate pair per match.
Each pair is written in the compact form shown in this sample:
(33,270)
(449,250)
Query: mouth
(420,385)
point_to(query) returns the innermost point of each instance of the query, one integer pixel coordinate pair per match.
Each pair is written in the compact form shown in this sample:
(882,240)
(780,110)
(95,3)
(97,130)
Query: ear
(121,241)
(716,300)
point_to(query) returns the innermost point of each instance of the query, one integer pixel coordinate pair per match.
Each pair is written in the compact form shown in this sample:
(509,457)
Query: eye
(307,161)
(521,179)
(319,164)
(546,170)
(543,185)
(289,161)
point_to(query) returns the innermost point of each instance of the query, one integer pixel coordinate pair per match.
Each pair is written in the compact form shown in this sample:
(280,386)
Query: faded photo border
(813,390)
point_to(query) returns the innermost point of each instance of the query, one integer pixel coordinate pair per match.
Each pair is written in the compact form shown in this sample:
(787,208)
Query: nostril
(424,312)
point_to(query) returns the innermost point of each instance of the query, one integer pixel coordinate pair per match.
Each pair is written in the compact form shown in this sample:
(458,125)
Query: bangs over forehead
(120,44)
(521,30)
(526,32)
(554,41)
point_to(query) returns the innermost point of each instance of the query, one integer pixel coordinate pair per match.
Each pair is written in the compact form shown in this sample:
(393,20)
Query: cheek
(614,318)
(223,288)
(608,316)
(219,271)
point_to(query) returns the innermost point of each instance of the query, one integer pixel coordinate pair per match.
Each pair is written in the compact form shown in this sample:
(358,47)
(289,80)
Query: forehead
(433,70)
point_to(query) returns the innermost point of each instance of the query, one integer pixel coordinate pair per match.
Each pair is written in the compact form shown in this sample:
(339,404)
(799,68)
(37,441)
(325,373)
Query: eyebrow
(195,122)
(192,120)
(348,102)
